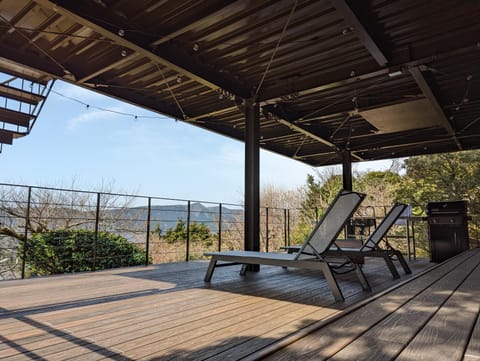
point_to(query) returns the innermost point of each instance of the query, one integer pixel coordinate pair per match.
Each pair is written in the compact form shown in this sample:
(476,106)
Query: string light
(90,106)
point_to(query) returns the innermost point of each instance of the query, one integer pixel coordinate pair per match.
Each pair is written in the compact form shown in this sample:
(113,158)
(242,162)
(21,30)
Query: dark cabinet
(448,229)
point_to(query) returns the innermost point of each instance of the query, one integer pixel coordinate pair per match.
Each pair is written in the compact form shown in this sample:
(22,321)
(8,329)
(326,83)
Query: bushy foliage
(441,177)
(63,251)
(199,232)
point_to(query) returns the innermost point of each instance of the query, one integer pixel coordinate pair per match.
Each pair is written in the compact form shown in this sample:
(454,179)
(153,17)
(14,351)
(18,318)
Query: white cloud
(92,116)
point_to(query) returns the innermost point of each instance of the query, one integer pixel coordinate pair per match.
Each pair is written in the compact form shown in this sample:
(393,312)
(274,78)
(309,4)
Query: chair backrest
(384,226)
(331,224)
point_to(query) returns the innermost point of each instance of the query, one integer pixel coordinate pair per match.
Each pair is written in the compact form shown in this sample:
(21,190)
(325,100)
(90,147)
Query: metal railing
(154,229)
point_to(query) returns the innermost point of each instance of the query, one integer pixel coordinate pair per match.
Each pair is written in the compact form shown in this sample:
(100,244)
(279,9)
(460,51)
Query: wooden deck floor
(167,311)
(434,317)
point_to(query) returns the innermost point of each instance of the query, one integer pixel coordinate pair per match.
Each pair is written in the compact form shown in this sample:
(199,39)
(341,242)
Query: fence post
(97,221)
(414,241)
(288,226)
(25,235)
(266,229)
(147,241)
(219,227)
(285,226)
(409,251)
(187,253)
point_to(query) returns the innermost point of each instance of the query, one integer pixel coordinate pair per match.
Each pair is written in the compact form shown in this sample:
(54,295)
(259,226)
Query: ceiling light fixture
(393,74)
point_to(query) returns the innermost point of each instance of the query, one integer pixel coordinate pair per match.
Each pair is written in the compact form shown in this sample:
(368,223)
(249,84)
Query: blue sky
(88,147)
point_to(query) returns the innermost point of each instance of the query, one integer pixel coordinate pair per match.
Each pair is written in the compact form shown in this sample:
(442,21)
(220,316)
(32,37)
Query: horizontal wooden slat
(15,118)
(167,311)
(428,318)
(19,95)
(6,137)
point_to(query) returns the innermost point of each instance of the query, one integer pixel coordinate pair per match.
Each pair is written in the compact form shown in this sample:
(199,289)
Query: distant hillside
(168,215)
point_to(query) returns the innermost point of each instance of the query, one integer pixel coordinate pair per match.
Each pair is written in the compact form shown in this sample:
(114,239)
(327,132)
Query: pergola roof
(381,79)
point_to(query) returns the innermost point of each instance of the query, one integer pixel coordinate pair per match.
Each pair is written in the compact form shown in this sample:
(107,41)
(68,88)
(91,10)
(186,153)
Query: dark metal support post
(285,227)
(252,179)
(347,184)
(266,229)
(97,221)
(147,242)
(25,235)
(288,227)
(187,253)
(347,170)
(413,241)
(220,227)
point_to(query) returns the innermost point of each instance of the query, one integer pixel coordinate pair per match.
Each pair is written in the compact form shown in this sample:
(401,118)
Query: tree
(199,232)
(30,211)
(64,250)
(379,186)
(441,177)
(319,191)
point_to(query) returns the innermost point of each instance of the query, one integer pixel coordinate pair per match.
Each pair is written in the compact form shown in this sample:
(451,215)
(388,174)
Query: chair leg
(402,261)
(361,277)
(390,265)
(210,269)
(243,270)
(332,283)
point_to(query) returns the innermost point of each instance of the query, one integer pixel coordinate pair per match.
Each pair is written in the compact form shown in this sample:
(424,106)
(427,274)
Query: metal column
(347,185)
(252,179)
(347,170)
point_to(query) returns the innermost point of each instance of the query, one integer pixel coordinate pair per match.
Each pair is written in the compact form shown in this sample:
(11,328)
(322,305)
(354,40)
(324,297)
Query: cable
(184,116)
(276,48)
(38,31)
(36,46)
(105,109)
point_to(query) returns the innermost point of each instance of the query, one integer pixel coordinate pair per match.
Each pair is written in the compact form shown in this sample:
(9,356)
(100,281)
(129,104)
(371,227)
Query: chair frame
(371,246)
(313,259)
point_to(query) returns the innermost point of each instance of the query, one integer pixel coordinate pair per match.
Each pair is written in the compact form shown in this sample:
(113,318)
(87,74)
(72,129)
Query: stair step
(15,118)
(6,137)
(20,95)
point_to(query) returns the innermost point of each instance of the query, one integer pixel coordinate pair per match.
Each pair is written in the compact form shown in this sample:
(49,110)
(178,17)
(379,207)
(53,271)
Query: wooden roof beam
(299,129)
(428,93)
(214,16)
(107,68)
(109,25)
(359,29)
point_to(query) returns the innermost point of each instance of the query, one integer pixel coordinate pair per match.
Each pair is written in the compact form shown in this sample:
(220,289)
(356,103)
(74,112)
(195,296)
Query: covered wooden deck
(167,312)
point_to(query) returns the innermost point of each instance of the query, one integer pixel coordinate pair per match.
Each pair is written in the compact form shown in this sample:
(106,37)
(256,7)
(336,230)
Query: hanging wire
(295,155)
(184,116)
(276,48)
(59,33)
(340,126)
(89,106)
(36,46)
(357,93)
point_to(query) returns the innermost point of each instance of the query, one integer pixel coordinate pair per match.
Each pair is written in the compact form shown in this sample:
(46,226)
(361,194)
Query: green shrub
(64,251)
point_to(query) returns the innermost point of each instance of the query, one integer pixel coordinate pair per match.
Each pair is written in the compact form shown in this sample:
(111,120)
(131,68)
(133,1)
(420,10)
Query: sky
(75,146)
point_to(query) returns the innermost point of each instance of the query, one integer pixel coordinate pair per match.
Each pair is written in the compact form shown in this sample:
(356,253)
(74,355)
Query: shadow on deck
(167,312)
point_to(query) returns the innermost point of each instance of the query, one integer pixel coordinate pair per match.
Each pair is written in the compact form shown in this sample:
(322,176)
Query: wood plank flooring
(167,312)
(433,317)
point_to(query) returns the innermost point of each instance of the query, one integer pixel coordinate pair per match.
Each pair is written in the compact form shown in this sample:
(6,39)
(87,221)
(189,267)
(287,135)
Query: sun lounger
(371,246)
(311,254)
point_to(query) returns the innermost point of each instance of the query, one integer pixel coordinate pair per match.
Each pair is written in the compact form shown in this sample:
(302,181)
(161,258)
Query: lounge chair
(371,246)
(311,254)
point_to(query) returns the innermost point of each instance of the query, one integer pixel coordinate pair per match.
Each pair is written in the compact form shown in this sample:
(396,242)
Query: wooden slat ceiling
(317,68)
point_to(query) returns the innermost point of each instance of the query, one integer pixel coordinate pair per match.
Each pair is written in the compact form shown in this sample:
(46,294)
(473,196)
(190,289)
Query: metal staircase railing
(21,100)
